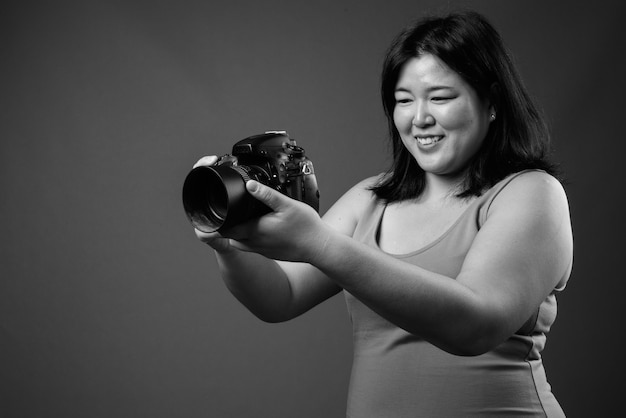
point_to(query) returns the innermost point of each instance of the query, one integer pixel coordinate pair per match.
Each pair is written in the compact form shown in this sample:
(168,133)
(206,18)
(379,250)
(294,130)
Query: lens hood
(215,198)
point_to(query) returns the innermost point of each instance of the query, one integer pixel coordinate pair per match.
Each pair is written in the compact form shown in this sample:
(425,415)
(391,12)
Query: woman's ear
(494,98)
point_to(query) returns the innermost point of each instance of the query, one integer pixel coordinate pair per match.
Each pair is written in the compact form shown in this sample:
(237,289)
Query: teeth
(427,140)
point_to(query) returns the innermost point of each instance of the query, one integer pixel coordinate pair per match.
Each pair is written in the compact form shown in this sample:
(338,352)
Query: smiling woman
(451,261)
(471,54)
(441,119)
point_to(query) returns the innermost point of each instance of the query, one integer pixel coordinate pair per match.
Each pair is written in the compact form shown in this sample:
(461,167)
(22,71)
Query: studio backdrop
(110,306)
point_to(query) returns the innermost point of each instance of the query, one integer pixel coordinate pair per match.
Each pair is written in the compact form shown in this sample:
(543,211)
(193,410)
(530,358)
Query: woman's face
(441,120)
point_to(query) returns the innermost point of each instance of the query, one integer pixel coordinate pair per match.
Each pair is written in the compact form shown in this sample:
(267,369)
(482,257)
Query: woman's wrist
(320,253)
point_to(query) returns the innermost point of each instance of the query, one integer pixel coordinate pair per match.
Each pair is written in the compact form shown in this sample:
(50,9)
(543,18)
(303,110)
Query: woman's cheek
(453,117)
(402,118)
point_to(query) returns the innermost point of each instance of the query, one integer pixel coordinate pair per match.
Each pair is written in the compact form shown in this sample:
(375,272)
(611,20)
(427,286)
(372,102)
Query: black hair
(517,139)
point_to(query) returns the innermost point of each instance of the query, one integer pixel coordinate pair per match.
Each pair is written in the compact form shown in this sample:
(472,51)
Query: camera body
(215,197)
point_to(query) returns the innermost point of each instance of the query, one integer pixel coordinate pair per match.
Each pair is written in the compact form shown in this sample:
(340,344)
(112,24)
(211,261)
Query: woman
(450,261)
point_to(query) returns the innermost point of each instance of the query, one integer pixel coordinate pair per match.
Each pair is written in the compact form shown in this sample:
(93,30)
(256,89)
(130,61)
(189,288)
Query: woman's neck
(441,188)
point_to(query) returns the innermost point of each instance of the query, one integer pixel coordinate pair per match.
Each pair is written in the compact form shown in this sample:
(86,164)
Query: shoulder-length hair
(517,139)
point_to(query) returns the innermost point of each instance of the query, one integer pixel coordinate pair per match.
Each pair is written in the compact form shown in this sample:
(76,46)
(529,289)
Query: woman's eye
(441,99)
(403,100)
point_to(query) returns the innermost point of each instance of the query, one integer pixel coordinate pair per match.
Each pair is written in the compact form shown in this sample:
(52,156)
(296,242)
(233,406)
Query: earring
(492,116)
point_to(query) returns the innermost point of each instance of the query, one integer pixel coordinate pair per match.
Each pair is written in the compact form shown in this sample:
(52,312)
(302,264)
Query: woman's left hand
(293,231)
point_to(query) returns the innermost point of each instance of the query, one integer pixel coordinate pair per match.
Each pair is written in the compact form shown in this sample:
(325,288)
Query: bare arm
(277,290)
(518,257)
(274,291)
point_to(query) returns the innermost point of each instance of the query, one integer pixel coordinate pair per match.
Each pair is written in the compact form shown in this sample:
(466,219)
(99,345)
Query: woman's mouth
(428,139)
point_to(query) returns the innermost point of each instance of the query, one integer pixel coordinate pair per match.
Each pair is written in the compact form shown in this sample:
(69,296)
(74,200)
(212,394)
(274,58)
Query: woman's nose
(422,117)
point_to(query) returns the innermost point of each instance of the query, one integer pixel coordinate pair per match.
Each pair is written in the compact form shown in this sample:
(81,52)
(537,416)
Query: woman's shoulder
(530,189)
(361,194)
(357,202)
(533,182)
(532,208)
(366,184)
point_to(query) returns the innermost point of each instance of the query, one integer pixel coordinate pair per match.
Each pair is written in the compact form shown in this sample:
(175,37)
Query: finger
(243,246)
(240,246)
(272,198)
(205,161)
(207,236)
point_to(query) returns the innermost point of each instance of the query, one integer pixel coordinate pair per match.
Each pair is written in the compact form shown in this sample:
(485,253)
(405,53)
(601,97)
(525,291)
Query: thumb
(272,198)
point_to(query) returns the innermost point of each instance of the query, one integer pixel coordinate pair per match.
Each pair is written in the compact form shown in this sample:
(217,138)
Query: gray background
(110,307)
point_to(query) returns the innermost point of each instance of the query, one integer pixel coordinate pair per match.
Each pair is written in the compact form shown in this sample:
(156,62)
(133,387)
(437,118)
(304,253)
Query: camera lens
(205,199)
(216,198)
(212,204)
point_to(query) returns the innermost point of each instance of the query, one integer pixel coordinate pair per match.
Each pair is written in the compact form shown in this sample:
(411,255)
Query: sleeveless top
(398,374)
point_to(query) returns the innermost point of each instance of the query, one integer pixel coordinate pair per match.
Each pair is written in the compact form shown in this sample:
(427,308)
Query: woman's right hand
(213,239)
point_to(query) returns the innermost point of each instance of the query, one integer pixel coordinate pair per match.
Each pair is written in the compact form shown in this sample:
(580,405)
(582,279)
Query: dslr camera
(215,197)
